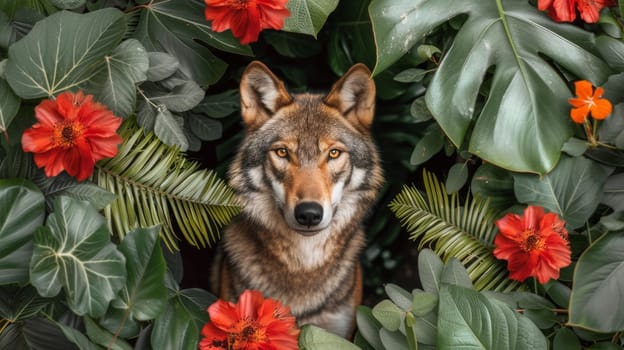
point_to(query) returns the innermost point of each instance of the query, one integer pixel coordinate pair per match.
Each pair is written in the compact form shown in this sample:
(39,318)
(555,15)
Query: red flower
(564,10)
(254,323)
(534,245)
(246,18)
(72,133)
(586,103)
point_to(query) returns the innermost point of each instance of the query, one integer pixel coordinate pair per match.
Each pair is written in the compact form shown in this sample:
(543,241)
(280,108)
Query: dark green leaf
(512,42)
(315,338)
(103,337)
(124,68)
(612,50)
(565,339)
(74,252)
(468,319)
(457,177)
(34,334)
(573,189)
(419,110)
(428,146)
(410,75)
(293,45)
(51,69)
(597,300)
(22,210)
(144,297)
(180,325)
(9,105)
(67,4)
(220,105)
(558,292)
(308,16)
(495,184)
(168,128)
(96,195)
(77,337)
(206,129)
(161,66)
(20,303)
(575,147)
(181,98)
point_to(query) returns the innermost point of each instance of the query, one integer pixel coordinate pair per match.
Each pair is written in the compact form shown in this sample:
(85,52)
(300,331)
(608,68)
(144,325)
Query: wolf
(307,172)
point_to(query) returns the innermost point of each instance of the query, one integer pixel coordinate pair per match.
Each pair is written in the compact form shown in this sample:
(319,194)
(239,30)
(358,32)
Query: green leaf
(74,252)
(424,303)
(430,268)
(20,303)
(206,129)
(103,337)
(468,319)
(182,98)
(399,296)
(85,191)
(161,66)
(34,334)
(388,314)
(308,16)
(144,296)
(125,67)
(67,4)
(22,210)
(368,327)
(514,44)
(428,146)
(565,339)
(411,75)
(315,338)
(293,45)
(168,128)
(77,337)
(51,68)
(573,189)
(220,105)
(457,177)
(179,28)
(455,273)
(394,340)
(494,183)
(9,105)
(180,325)
(597,301)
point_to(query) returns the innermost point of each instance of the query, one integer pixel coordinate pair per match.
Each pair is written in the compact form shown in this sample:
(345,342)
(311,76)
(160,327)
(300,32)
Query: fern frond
(156,184)
(466,232)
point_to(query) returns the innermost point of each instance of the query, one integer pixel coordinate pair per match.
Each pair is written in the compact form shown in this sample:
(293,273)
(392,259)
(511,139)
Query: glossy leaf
(144,296)
(34,334)
(457,177)
(597,301)
(125,67)
(20,303)
(512,41)
(316,338)
(74,252)
(495,184)
(468,319)
(22,210)
(104,338)
(308,16)
(52,69)
(573,189)
(180,325)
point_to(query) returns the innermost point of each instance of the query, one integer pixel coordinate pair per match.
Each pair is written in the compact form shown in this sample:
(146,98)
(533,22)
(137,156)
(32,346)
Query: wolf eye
(334,153)
(281,152)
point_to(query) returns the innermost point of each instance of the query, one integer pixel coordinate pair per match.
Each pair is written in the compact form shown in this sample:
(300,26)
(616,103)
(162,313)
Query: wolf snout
(308,213)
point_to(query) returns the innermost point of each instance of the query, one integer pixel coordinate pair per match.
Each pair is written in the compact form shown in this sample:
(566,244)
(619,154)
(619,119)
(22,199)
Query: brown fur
(310,149)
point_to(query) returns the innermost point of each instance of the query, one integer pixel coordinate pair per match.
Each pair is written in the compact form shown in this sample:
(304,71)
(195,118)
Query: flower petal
(579,115)
(601,109)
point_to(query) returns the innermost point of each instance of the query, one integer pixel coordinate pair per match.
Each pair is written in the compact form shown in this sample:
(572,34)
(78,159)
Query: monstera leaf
(523,122)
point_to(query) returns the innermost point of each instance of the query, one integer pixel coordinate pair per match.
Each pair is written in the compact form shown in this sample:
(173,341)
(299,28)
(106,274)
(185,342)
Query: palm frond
(466,232)
(156,184)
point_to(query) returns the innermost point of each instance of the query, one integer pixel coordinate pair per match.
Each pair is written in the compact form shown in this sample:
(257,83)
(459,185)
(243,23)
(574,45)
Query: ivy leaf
(308,16)
(74,252)
(468,319)
(180,325)
(520,48)
(573,189)
(51,68)
(22,210)
(597,301)
(126,66)
(144,296)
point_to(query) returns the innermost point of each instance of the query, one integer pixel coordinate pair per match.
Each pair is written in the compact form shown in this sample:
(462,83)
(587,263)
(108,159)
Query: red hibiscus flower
(72,133)
(589,102)
(254,323)
(565,10)
(534,244)
(246,18)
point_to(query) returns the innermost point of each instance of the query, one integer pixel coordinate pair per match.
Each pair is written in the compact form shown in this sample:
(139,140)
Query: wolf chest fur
(306,173)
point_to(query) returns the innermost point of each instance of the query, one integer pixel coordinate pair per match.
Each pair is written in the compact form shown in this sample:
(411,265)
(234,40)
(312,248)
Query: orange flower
(72,133)
(254,323)
(565,10)
(246,18)
(586,103)
(534,245)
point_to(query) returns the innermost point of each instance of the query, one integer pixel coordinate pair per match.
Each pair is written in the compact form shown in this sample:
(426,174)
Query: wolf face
(306,155)
(306,173)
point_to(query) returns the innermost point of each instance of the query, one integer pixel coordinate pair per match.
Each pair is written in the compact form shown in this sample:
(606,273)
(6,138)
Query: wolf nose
(309,213)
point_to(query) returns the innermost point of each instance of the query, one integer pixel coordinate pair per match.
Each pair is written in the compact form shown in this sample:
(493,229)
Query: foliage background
(473,91)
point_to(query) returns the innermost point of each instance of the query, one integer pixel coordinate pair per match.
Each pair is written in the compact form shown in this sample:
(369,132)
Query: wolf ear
(354,96)
(262,93)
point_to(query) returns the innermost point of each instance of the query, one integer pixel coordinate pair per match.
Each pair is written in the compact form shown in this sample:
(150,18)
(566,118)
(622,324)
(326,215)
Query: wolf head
(307,160)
